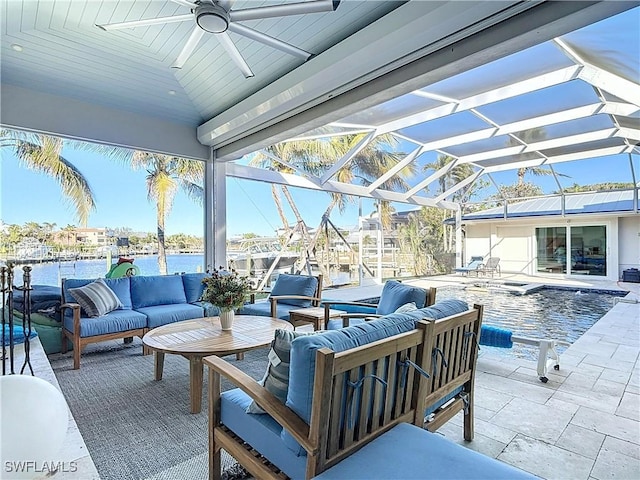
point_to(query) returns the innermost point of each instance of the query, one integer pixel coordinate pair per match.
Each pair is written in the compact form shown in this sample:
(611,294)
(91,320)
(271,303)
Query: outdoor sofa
(356,402)
(145,302)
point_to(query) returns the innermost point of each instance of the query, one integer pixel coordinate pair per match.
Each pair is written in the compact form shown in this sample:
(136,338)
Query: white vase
(226,319)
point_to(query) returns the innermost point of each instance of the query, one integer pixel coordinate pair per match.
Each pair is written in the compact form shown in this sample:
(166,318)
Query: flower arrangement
(225,289)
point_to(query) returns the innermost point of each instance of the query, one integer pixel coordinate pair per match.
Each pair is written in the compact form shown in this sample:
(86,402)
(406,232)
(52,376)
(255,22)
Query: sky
(120,195)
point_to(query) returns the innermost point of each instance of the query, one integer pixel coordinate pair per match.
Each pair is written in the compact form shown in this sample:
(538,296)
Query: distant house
(596,234)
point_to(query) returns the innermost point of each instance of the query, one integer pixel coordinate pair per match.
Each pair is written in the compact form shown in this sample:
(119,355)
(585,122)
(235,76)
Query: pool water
(554,313)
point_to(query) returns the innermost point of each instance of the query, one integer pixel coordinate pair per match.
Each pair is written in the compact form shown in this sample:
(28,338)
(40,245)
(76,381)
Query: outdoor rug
(134,427)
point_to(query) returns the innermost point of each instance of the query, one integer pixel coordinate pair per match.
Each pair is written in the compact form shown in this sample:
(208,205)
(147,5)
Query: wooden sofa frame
(329,437)
(79,342)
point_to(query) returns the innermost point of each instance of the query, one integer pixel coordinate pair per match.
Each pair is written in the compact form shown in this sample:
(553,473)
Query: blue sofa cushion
(263,309)
(157,290)
(395,294)
(193,286)
(113,322)
(295,285)
(209,309)
(163,314)
(409,452)
(260,431)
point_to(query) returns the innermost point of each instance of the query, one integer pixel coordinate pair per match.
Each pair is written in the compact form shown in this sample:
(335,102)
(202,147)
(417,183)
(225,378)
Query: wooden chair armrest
(348,316)
(74,306)
(76,316)
(282,414)
(252,294)
(274,301)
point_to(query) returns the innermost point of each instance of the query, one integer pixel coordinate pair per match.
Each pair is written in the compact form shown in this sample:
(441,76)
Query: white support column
(459,245)
(379,244)
(215,210)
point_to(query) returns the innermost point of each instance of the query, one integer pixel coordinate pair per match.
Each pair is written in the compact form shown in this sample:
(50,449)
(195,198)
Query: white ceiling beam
(601,78)
(425,183)
(537,146)
(458,186)
(583,155)
(628,133)
(347,157)
(396,168)
(609,82)
(519,88)
(269,176)
(293,167)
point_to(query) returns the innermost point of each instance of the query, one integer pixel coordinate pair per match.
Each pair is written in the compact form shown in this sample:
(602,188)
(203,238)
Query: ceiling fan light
(212,18)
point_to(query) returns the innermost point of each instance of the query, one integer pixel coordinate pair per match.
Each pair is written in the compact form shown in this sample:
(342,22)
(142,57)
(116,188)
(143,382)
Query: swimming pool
(556,313)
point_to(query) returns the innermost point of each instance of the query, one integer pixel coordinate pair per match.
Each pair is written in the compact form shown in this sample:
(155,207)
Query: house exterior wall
(628,243)
(514,242)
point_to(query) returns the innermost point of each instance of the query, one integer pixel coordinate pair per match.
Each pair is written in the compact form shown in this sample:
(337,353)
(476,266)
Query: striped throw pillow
(96,298)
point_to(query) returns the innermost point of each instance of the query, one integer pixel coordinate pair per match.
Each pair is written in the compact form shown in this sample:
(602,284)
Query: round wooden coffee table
(195,339)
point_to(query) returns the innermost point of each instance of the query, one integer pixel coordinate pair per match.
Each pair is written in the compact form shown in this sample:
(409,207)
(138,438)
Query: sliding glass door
(575,250)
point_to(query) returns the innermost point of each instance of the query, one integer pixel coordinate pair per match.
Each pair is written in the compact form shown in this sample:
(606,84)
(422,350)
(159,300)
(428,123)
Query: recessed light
(171,92)
(16,47)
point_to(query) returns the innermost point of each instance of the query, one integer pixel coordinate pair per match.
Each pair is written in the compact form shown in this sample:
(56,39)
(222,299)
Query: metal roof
(574,204)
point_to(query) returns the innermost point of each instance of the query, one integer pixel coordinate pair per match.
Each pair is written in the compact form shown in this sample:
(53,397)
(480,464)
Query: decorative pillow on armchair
(276,378)
(96,298)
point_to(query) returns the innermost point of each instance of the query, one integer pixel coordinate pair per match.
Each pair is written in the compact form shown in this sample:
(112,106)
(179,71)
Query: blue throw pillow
(395,294)
(193,286)
(295,285)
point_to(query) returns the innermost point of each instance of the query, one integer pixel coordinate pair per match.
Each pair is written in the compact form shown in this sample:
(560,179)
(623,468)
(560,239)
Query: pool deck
(584,423)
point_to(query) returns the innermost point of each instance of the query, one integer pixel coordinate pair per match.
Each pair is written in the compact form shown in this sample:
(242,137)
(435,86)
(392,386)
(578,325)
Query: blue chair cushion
(295,285)
(263,309)
(303,359)
(163,314)
(395,294)
(260,431)
(193,286)
(113,322)
(157,290)
(409,452)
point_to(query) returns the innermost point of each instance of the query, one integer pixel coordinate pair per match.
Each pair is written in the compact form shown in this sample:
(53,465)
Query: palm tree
(315,156)
(165,175)
(43,154)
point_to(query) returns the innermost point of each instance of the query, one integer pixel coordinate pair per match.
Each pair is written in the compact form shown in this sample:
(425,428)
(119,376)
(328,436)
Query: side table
(313,315)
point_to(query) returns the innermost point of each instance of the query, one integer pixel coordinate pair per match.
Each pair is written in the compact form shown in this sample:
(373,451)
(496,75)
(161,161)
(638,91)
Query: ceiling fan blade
(268,40)
(234,53)
(226,4)
(298,8)
(189,47)
(185,3)
(149,21)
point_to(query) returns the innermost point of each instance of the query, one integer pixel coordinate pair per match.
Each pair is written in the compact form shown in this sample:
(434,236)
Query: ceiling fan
(218,18)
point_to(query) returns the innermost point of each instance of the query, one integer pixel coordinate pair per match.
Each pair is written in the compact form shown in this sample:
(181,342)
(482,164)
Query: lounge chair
(474,266)
(491,266)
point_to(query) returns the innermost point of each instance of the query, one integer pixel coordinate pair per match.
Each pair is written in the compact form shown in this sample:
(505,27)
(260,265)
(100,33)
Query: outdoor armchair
(394,295)
(491,266)
(290,292)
